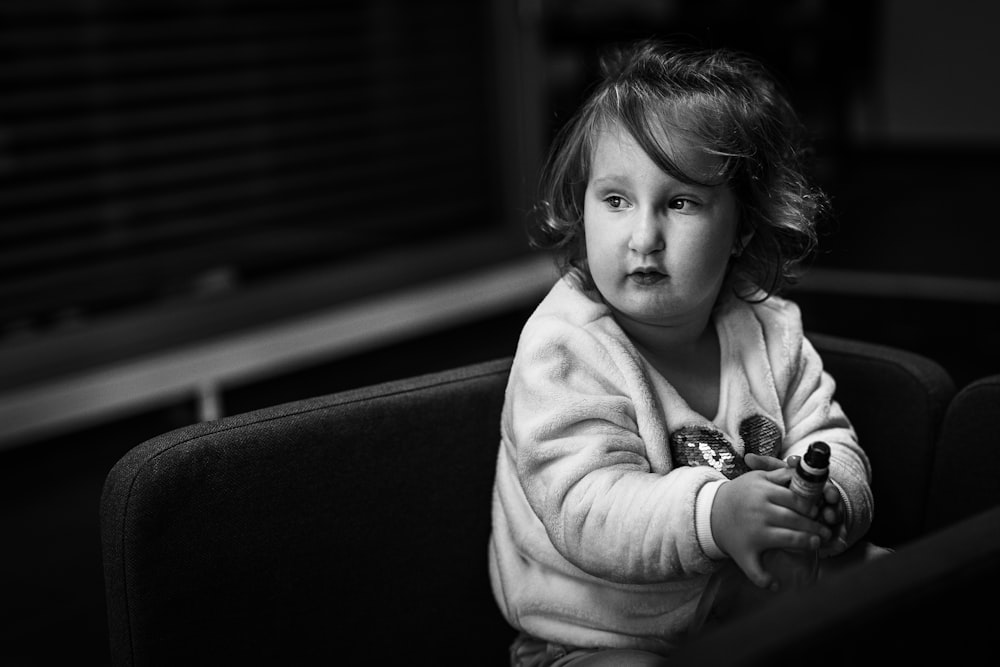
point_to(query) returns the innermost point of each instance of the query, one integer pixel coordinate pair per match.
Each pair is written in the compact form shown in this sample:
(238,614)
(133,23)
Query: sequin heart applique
(760,435)
(704,445)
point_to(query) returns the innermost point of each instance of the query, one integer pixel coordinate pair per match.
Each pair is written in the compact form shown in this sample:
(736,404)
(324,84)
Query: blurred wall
(937,74)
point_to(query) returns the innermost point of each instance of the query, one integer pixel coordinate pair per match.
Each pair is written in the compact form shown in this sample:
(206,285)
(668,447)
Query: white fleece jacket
(604,479)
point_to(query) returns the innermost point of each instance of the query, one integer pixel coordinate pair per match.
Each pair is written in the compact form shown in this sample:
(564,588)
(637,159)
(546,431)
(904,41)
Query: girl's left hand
(831,508)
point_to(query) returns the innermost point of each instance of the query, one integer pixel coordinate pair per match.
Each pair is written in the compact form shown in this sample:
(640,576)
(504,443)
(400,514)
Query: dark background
(901,98)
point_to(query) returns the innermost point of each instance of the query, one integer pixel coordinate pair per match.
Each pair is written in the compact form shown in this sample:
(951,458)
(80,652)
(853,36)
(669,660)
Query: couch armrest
(967,460)
(896,401)
(926,603)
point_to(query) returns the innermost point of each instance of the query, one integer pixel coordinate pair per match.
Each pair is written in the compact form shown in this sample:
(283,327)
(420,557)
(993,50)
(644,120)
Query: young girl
(660,384)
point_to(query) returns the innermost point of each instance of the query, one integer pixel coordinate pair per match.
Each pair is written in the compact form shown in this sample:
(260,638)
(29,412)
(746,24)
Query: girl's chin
(648,315)
(660,312)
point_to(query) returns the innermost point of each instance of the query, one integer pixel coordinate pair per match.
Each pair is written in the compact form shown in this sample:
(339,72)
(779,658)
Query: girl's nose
(647,236)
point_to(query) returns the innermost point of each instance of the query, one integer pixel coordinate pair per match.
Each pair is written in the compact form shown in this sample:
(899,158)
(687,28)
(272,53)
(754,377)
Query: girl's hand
(756,512)
(830,511)
(832,516)
(766,463)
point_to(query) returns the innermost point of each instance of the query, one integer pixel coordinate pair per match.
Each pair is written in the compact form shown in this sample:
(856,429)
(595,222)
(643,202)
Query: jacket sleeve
(583,464)
(811,413)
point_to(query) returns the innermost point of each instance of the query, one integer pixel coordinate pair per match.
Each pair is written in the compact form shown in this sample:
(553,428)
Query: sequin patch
(760,435)
(704,445)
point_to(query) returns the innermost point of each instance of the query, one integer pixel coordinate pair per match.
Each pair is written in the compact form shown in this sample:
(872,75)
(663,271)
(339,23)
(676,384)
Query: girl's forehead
(674,149)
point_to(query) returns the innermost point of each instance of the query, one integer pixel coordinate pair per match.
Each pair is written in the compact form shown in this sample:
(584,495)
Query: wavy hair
(726,104)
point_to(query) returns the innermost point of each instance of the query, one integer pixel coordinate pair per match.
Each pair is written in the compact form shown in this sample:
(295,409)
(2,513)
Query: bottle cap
(818,455)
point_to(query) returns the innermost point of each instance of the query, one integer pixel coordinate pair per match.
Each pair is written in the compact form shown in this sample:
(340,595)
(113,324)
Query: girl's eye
(682,204)
(614,201)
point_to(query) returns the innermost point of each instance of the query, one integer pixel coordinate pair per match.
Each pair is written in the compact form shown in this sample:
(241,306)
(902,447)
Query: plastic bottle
(793,569)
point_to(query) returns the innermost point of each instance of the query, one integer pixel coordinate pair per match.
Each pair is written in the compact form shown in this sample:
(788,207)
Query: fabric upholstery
(967,460)
(354,526)
(338,527)
(896,400)
(927,603)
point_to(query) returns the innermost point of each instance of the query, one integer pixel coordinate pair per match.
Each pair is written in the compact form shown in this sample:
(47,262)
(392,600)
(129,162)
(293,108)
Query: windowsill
(78,378)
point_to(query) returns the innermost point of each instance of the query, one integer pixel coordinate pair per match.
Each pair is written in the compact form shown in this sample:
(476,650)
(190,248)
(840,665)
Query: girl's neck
(680,349)
(671,341)
(688,358)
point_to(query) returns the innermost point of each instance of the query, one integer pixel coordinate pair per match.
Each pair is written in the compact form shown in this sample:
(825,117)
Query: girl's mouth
(647,278)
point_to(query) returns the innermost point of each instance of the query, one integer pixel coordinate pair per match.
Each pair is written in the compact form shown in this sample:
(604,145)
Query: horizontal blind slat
(131,166)
(124,171)
(92,285)
(132,134)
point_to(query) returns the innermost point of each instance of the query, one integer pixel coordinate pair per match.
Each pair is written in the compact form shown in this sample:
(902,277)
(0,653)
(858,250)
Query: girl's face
(657,247)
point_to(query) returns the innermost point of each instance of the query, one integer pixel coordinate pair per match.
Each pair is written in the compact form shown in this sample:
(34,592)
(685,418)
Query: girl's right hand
(756,512)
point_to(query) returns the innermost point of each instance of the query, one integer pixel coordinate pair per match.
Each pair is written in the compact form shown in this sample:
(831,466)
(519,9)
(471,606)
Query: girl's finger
(831,515)
(830,494)
(785,538)
(758,462)
(756,573)
(781,517)
(780,476)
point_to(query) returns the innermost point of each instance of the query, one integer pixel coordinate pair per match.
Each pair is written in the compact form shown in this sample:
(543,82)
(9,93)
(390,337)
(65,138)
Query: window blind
(147,146)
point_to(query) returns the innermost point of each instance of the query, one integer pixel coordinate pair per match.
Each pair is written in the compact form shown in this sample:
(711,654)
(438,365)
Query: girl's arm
(811,413)
(584,466)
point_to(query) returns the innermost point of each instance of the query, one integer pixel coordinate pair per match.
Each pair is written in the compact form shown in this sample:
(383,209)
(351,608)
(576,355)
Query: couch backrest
(339,528)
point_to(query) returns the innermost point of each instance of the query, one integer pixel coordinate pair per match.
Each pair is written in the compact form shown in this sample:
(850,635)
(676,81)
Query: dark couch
(353,527)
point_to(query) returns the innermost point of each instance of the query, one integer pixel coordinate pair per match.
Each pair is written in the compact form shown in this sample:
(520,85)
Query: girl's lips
(647,277)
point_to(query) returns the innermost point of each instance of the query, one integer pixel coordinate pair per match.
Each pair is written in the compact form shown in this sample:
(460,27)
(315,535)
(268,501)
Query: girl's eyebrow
(619,180)
(609,179)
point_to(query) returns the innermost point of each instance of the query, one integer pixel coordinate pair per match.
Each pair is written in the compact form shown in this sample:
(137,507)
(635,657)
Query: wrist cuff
(703,519)
(848,510)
